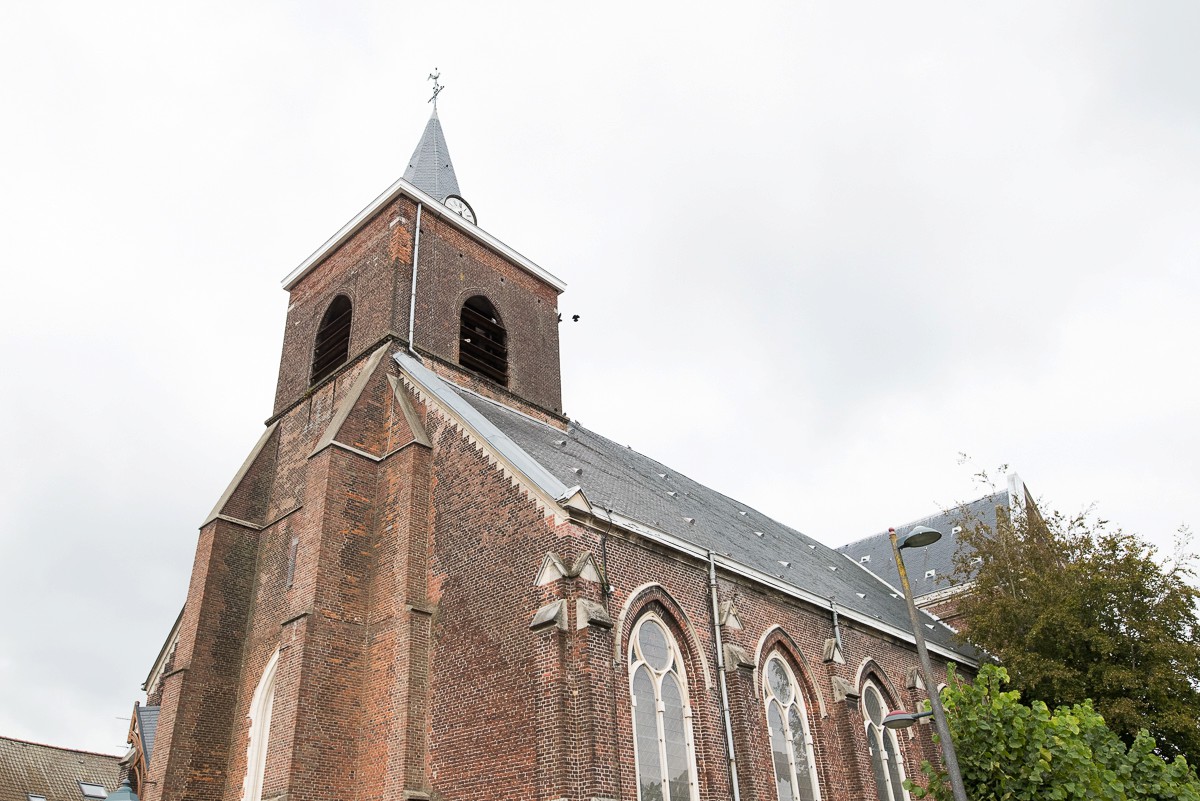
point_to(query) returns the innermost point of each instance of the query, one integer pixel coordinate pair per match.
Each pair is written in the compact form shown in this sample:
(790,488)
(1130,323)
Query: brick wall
(374,270)
(407,661)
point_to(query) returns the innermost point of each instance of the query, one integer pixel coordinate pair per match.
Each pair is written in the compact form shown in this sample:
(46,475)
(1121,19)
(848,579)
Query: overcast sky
(818,251)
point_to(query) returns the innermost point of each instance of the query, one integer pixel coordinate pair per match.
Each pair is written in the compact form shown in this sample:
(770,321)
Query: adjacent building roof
(930,568)
(31,769)
(655,499)
(429,167)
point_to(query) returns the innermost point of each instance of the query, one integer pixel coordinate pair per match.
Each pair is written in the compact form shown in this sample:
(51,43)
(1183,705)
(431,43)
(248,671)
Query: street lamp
(903,720)
(919,537)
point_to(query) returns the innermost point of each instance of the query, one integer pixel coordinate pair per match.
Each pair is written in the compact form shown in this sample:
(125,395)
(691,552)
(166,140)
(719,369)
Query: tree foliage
(1009,751)
(1076,612)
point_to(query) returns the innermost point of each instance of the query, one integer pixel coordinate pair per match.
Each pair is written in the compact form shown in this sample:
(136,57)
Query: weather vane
(437,87)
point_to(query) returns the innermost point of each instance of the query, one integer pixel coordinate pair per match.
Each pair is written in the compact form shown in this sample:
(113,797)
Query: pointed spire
(429,167)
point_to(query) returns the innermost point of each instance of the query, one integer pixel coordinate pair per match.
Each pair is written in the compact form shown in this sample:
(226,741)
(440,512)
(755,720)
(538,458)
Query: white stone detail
(260,732)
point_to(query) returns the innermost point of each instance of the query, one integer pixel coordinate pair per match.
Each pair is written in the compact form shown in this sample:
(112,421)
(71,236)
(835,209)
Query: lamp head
(919,537)
(902,720)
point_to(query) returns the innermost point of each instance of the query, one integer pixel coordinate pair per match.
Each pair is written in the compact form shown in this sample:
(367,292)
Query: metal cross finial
(437,87)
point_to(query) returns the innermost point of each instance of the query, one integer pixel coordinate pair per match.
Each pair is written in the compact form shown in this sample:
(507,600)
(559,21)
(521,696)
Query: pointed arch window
(664,750)
(332,347)
(791,738)
(482,341)
(261,704)
(883,747)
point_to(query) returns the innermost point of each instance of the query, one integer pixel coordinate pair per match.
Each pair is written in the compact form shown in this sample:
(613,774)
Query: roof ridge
(920,520)
(59,747)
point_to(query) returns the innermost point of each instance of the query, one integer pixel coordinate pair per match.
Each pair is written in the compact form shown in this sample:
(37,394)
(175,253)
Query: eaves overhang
(735,567)
(431,206)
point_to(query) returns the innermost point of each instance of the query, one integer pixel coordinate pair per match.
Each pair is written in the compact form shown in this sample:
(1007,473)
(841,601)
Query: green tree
(1076,611)
(1009,751)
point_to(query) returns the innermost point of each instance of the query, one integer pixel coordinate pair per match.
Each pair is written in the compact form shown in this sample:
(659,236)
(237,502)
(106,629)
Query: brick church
(427,582)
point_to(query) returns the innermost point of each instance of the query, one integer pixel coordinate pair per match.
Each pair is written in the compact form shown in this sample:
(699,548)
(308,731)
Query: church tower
(480,311)
(301,665)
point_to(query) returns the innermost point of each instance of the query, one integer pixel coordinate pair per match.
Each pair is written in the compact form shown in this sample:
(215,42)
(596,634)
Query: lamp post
(919,537)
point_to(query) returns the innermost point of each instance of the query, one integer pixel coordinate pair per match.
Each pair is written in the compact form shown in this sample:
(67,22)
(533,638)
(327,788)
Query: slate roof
(429,167)
(31,768)
(618,479)
(938,557)
(147,720)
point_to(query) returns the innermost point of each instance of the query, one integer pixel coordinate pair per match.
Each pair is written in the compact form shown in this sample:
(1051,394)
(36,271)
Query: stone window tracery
(261,704)
(664,750)
(790,736)
(883,746)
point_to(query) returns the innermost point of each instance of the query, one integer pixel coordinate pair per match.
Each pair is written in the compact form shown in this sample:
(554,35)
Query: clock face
(460,207)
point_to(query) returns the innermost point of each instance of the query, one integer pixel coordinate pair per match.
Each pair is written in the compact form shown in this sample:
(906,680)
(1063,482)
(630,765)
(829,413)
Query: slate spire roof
(429,167)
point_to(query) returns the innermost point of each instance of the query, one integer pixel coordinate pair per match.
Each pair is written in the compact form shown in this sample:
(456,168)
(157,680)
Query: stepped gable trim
(347,406)
(410,414)
(241,474)
(517,465)
(160,661)
(432,206)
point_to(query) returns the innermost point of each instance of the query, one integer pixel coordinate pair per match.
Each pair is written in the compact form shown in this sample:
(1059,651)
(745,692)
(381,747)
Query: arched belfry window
(483,343)
(662,728)
(791,739)
(883,746)
(333,339)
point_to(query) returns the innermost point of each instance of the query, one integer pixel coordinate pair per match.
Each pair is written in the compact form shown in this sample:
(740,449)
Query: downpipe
(716,620)
(412,295)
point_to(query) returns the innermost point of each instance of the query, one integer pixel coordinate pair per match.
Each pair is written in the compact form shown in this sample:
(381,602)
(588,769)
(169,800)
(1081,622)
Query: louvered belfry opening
(483,343)
(333,339)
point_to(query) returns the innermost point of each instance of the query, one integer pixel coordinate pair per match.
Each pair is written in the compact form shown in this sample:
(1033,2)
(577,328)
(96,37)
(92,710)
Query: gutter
(767,580)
